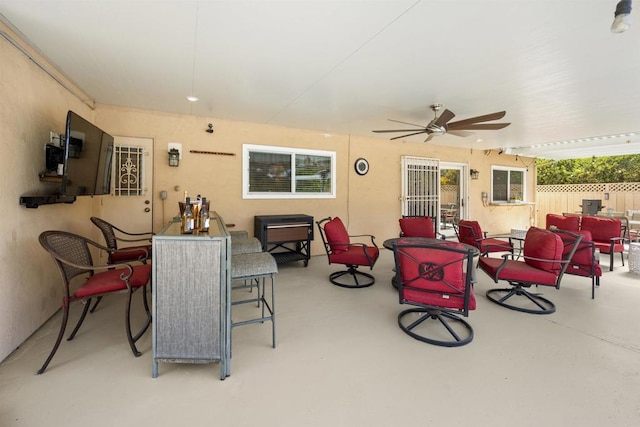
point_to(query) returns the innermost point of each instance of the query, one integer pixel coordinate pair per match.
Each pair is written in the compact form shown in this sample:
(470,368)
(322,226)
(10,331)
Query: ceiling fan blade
(411,134)
(444,118)
(405,123)
(477,119)
(429,138)
(479,126)
(461,133)
(397,130)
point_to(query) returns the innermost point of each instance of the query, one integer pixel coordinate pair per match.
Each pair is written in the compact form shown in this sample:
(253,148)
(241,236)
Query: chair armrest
(372,237)
(112,251)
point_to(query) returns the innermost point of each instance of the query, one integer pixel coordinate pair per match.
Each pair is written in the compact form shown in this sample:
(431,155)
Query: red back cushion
(419,226)
(584,252)
(426,286)
(602,229)
(569,223)
(468,235)
(337,235)
(540,243)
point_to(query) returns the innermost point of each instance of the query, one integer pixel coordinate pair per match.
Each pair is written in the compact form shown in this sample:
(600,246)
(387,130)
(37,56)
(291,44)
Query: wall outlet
(163,195)
(54,139)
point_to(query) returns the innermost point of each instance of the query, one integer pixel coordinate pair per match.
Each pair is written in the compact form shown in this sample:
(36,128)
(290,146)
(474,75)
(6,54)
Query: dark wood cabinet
(287,237)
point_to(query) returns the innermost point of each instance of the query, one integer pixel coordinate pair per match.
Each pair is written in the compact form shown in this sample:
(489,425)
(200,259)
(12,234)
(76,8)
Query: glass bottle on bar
(187,218)
(204,216)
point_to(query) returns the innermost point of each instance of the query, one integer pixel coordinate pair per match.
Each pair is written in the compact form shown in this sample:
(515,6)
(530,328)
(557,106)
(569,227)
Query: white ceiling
(348,66)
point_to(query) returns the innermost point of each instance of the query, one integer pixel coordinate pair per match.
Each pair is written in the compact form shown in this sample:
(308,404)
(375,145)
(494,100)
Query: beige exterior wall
(32,104)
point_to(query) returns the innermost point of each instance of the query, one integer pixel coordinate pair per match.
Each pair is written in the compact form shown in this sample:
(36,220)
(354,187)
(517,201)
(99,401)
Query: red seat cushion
(337,235)
(568,223)
(517,271)
(355,255)
(420,226)
(132,253)
(110,281)
(494,245)
(447,292)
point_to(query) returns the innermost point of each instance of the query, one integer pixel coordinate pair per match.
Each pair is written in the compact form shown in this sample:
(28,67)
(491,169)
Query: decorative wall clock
(362,166)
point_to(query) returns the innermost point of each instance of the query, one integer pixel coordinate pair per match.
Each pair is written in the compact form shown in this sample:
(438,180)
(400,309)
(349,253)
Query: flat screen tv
(88,152)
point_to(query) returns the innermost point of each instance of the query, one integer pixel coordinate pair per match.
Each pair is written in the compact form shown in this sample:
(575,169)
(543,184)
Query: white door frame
(464,185)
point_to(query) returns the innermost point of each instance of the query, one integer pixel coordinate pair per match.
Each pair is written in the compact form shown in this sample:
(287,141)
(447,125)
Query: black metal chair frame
(519,287)
(359,278)
(72,255)
(462,231)
(445,317)
(111,239)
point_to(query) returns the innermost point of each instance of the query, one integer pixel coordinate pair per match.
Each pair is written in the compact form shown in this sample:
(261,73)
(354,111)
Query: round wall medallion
(362,166)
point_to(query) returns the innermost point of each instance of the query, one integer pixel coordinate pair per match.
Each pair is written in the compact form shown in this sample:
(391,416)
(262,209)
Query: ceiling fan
(441,125)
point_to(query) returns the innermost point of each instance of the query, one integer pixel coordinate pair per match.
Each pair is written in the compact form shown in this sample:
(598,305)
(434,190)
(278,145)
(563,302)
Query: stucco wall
(32,104)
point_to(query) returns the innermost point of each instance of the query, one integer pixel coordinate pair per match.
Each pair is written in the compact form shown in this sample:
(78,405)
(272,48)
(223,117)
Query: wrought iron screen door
(421,187)
(128,170)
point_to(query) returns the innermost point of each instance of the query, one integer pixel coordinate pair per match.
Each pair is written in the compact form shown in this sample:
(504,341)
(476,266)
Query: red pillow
(602,229)
(337,235)
(545,244)
(569,223)
(419,226)
(469,238)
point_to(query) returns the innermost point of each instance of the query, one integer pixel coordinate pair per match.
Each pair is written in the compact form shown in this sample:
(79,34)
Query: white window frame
(293,152)
(508,169)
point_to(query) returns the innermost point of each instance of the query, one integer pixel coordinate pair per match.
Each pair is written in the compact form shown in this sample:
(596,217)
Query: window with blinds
(279,172)
(507,184)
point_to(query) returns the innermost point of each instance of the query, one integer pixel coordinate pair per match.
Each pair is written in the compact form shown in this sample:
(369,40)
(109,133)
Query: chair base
(455,327)
(355,280)
(541,305)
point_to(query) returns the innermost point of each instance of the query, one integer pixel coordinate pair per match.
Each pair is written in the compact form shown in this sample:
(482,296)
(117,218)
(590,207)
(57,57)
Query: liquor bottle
(204,216)
(187,217)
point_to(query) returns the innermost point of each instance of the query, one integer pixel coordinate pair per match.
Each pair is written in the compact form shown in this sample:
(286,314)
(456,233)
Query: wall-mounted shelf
(33,201)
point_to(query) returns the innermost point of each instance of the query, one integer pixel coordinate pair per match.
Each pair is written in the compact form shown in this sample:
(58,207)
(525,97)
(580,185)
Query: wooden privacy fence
(616,197)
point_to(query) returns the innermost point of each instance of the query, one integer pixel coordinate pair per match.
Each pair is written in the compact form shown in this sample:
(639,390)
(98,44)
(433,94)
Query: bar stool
(245,246)
(239,234)
(258,266)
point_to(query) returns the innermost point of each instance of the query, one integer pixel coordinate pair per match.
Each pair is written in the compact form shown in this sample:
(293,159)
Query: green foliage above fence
(590,170)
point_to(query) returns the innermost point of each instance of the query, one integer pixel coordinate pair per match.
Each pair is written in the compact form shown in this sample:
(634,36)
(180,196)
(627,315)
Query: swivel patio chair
(72,255)
(469,232)
(544,262)
(436,278)
(341,250)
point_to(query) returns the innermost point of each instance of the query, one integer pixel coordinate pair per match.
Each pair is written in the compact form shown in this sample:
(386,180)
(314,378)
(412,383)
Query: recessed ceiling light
(192,98)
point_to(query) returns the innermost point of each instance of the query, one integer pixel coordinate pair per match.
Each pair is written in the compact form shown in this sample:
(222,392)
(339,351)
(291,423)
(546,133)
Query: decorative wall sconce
(475,173)
(174,157)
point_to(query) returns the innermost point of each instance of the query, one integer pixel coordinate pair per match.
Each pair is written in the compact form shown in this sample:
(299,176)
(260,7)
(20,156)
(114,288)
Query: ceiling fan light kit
(441,125)
(621,21)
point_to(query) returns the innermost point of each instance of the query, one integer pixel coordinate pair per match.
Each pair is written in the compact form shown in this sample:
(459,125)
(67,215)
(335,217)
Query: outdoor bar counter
(191,296)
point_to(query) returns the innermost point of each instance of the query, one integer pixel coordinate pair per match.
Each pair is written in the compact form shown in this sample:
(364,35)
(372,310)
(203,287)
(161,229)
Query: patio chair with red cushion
(544,263)
(72,255)
(584,261)
(436,278)
(469,232)
(113,235)
(418,226)
(607,235)
(563,222)
(342,250)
